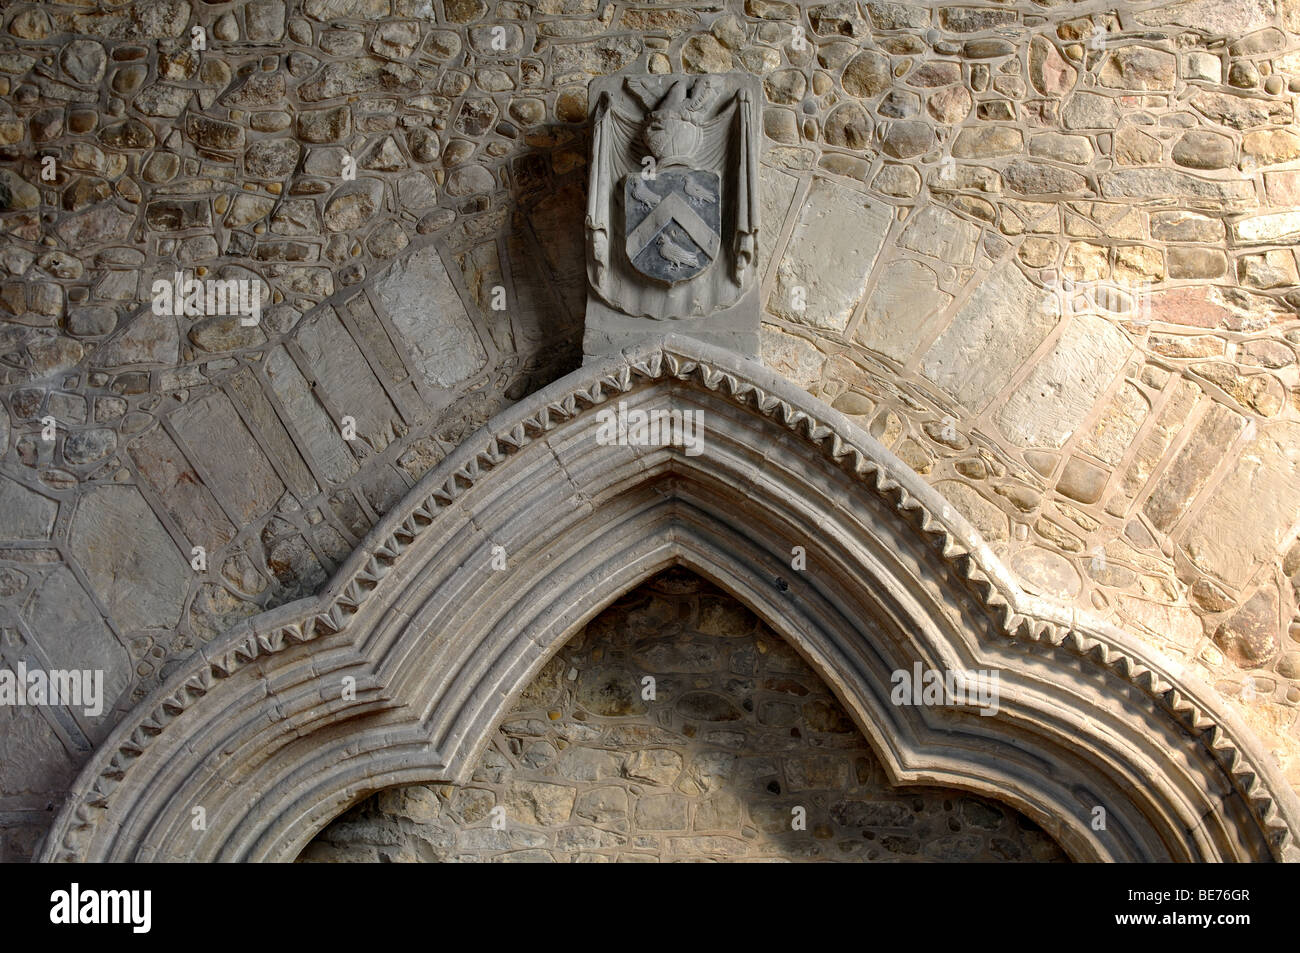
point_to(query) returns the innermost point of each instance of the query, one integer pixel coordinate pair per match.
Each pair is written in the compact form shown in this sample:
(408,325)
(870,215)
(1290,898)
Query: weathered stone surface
(187,500)
(936,232)
(1082,480)
(1180,226)
(272,158)
(91,322)
(1046,572)
(900,104)
(88,446)
(900,181)
(397,39)
(990,337)
(1249,635)
(163,101)
(247,209)
(950,105)
(848,125)
(866,75)
(170,216)
(973,19)
(1039,178)
(1188,474)
(704,54)
(1270,228)
(17,193)
(1053,400)
(1271,269)
(357,76)
(1156,183)
(835,243)
(1048,70)
(611,54)
(264,21)
(536,802)
(258,90)
(1270,147)
(983,515)
(352,205)
(1053,145)
(982,142)
(262,416)
(785,86)
(771,9)
(212,432)
(706,706)
(1183,345)
(781,125)
(1261,492)
(1138,67)
(49,355)
(324,125)
(24,514)
(149,339)
(214,133)
(74,636)
(897,16)
(1112,435)
(84,61)
(837,19)
(132,564)
(1243,75)
(1090,111)
(792,356)
(903,307)
(1204,66)
(1239,112)
(321,442)
(1211,17)
(346,9)
(906,140)
(1168,624)
(1202,149)
(528,111)
(1265,353)
(383,156)
(440,340)
(95,226)
(31,24)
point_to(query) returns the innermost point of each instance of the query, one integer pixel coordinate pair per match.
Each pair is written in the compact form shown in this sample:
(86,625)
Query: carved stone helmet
(672,130)
(672,139)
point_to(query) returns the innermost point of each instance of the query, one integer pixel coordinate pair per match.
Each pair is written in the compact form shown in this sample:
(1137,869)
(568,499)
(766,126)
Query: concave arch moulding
(257,729)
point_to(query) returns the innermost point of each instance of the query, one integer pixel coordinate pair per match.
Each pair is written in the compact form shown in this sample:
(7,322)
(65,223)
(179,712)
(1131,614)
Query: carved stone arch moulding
(257,730)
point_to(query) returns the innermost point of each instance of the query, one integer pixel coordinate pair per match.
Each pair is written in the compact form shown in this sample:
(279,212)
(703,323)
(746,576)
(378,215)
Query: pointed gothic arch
(256,729)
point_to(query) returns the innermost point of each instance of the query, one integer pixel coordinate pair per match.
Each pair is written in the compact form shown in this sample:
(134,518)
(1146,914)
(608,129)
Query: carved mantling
(672,218)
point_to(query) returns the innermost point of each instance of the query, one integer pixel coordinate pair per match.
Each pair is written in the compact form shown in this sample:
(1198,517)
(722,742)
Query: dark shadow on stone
(739,742)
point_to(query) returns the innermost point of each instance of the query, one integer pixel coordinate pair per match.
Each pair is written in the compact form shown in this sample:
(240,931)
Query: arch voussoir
(257,730)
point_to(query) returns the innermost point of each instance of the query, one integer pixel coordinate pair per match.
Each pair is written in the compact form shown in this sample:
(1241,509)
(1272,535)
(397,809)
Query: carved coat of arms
(672,214)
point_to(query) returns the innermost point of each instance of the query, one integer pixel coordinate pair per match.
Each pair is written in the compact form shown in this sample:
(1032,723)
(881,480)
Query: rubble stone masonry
(1045,251)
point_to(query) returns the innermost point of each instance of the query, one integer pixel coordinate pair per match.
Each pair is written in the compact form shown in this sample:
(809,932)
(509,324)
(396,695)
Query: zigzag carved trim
(672,363)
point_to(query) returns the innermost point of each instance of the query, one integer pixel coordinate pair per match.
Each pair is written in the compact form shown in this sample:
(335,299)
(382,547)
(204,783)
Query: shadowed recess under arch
(677,726)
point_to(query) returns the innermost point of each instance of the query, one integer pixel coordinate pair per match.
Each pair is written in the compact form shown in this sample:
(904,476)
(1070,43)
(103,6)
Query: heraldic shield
(673,222)
(672,209)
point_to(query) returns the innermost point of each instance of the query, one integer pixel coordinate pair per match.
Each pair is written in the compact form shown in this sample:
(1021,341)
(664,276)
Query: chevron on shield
(666,237)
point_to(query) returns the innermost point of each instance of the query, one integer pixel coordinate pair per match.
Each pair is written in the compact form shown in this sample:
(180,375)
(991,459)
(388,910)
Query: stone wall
(738,735)
(1045,252)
